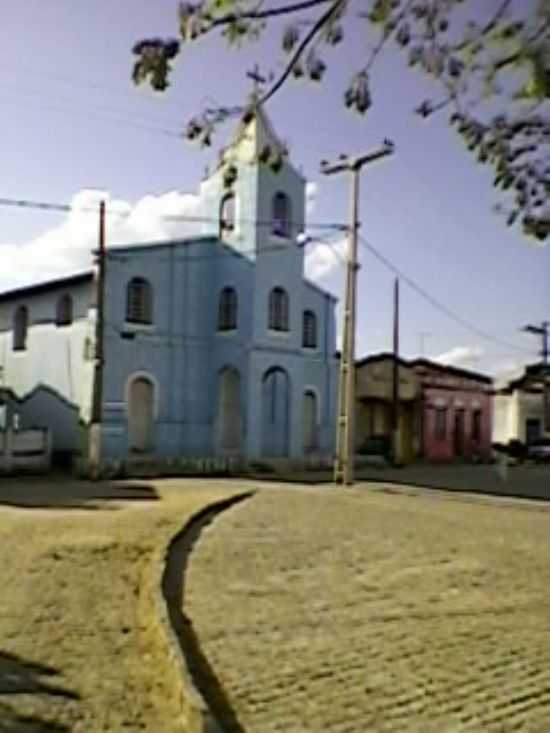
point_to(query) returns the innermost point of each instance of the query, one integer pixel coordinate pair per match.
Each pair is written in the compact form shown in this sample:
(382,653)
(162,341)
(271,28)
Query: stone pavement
(349,611)
(527,481)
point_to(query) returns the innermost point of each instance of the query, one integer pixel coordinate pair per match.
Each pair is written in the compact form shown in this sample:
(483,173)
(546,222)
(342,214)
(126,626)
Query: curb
(196,715)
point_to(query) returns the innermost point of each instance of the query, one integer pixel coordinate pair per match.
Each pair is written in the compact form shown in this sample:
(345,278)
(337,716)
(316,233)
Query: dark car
(539,450)
(376,446)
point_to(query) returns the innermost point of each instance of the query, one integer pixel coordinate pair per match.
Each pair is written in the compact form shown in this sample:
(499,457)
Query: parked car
(376,449)
(539,450)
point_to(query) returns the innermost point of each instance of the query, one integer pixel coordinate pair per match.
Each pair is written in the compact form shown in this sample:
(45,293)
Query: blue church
(213,346)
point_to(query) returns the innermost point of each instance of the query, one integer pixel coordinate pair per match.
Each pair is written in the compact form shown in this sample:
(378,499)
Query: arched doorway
(275,413)
(310,421)
(141,396)
(229,412)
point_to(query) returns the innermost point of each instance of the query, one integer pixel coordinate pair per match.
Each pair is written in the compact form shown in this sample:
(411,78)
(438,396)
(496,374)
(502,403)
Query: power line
(78,110)
(86,84)
(72,103)
(184,218)
(334,227)
(436,303)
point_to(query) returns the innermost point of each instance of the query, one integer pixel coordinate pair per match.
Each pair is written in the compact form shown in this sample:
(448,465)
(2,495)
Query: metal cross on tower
(257,79)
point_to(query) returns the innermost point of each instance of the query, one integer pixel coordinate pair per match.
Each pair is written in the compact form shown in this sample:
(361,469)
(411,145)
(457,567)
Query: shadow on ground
(20,677)
(63,492)
(522,482)
(173,588)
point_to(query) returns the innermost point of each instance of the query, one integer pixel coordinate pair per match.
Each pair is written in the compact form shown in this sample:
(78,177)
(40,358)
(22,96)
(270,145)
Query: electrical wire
(72,103)
(67,208)
(82,111)
(80,84)
(232,252)
(436,303)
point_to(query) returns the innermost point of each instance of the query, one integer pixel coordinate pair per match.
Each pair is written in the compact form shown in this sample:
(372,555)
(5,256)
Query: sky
(75,129)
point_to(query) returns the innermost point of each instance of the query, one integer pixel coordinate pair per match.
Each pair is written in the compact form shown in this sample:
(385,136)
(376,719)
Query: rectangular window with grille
(476,426)
(440,423)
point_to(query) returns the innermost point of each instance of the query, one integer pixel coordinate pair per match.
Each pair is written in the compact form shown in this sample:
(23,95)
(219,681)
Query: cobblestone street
(348,611)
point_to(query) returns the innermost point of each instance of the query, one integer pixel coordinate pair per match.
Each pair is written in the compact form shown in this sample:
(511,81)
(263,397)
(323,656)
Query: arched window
(141,414)
(275,408)
(139,301)
(282,219)
(227,214)
(64,311)
(278,310)
(310,421)
(20,328)
(309,337)
(227,310)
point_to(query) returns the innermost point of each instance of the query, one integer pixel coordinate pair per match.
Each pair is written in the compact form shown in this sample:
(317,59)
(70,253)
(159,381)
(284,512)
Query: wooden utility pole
(99,356)
(395,410)
(345,429)
(543,331)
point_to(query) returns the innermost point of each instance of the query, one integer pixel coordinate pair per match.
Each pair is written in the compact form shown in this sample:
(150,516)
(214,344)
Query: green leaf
(381,11)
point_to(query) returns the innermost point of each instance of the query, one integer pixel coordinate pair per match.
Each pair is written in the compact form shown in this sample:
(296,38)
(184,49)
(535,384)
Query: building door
(533,430)
(275,413)
(310,422)
(459,433)
(141,415)
(229,412)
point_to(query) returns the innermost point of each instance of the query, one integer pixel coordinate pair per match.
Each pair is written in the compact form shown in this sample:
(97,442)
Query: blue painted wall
(182,353)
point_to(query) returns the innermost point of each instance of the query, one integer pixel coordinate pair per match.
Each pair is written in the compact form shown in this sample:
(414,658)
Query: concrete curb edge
(196,716)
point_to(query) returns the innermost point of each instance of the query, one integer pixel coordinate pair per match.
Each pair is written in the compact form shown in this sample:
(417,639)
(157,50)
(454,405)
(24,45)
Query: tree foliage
(500,63)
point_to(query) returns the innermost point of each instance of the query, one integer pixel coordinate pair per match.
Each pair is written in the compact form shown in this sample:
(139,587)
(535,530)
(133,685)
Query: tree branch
(268,13)
(337,4)
(487,28)
(385,35)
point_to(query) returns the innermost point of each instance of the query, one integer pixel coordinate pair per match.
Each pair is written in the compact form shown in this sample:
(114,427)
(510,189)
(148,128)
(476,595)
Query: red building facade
(455,412)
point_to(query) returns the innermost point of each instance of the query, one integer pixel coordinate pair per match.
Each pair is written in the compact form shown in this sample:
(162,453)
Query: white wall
(53,376)
(511,413)
(530,407)
(504,418)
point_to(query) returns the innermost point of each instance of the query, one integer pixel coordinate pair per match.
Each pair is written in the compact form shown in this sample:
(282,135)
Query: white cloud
(461,356)
(322,258)
(67,247)
(311,197)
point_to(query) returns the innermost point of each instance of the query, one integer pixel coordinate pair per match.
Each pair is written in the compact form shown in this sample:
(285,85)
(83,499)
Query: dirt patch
(77,653)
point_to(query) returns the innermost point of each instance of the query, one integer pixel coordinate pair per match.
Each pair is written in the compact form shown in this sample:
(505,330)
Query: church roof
(183,241)
(531,378)
(319,289)
(256,125)
(44,287)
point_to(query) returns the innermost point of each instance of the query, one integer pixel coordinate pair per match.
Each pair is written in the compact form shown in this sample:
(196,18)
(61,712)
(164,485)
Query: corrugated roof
(428,364)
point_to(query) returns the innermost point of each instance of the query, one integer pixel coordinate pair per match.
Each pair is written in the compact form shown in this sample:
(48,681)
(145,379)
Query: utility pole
(345,429)
(395,410)
(543,331)
(97,400)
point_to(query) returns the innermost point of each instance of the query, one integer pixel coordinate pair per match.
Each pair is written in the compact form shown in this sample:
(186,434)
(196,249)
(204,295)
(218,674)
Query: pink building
(455,412)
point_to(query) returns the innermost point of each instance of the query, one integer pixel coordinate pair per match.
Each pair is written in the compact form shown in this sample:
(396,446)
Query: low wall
(25,451)
(153,467)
